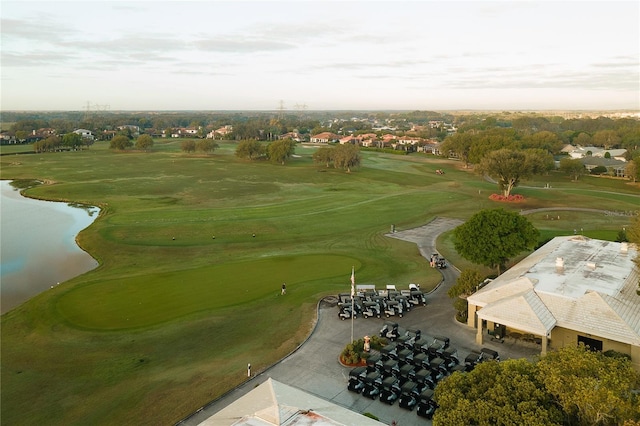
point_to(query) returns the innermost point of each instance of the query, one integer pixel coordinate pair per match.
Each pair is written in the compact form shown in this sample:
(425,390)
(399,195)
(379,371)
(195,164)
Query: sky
(320,55)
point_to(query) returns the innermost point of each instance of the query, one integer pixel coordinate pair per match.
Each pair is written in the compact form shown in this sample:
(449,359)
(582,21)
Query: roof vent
(624,248)
(559,263)
(591,266)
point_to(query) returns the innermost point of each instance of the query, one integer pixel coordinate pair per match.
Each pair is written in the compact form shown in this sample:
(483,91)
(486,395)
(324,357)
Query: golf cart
(389,331)
(423,377)
(405,356)
(393,307)
(489,354)
(416,296)
(426,405)
(404,302)
(450,355)
(438,369)
(473,359)
(356,379)
(407,373)
(390,368)
(389,351)
(345,311)
(372,383)
(390,390)
(421,360)
(421,345)
(409,394)
(374,363)
(370,309)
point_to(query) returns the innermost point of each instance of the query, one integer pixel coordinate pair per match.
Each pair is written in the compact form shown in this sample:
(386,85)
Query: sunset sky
(374,55)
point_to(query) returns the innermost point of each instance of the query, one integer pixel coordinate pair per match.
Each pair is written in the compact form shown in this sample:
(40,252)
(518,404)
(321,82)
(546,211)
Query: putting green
(149,300)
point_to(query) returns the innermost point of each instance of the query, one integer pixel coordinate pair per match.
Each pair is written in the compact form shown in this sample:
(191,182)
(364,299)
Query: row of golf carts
(369,302)
(409,368)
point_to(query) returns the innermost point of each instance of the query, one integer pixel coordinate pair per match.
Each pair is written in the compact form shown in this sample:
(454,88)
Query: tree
(144,142)
(188,145)
(491,237)
(346,157)
(460,145)
(72,140)
(120,142)
(545,140)
(495,393)
(573,167)
(324,155)
(21,135)
(281,150)
(538,161)
(631,171)
(49,144)
(591,388)
(607,139)
(583,139)
(250,149)
(206,146)
(508,167)
(466,284)
(571,386)
(490,141)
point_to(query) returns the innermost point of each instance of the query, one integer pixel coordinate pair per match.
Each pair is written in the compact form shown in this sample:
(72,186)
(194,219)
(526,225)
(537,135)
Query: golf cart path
(314,366)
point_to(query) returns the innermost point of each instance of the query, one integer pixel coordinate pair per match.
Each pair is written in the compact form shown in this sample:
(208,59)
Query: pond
(37,245)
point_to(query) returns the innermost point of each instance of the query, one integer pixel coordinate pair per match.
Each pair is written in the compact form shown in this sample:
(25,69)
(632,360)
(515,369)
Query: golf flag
(353,281)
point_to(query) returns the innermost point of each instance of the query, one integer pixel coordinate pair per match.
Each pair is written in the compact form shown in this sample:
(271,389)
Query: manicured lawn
(185,295)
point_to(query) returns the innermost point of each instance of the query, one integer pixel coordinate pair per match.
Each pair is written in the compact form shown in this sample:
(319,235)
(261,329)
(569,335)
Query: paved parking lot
(314,367)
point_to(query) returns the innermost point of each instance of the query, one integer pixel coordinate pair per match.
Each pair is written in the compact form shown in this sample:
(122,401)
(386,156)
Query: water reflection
(37,245)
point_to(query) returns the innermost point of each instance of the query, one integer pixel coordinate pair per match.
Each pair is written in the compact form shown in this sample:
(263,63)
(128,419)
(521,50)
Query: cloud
(241,45)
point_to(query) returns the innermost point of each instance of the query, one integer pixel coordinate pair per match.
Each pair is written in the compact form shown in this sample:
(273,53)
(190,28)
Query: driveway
(314,366)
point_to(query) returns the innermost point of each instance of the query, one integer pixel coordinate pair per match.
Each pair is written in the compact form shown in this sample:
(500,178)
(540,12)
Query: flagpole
(353,296)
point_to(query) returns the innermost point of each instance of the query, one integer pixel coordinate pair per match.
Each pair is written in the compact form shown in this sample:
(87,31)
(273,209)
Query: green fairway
(153,299)
(185,293)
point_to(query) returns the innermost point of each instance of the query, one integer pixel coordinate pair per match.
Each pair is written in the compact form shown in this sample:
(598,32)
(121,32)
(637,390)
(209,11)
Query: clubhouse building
(572,290)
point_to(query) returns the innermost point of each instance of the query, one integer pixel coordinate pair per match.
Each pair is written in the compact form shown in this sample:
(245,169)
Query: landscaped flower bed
(510,199)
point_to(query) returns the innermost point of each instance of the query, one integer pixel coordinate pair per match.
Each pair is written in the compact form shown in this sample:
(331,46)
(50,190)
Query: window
(591,344)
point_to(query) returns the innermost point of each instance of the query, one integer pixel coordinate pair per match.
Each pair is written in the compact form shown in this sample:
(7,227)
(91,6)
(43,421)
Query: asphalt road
(314,366)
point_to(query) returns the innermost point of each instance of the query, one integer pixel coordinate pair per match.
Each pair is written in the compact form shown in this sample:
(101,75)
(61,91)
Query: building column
(544,344)
(479,333)
(471,315)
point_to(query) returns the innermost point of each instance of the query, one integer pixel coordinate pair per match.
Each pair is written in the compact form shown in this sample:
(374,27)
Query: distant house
(614,167)
(354,140)
(8,138)
(86,134)
(294,136)
(431,146)
(594,151)
(220,133)
(324,137)
(135,130)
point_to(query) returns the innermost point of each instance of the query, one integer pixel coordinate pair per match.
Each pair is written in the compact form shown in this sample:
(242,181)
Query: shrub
(598,170)
(354,352)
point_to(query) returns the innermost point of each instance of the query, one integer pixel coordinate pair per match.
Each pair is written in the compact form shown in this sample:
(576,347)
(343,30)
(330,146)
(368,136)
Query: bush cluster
(354,352)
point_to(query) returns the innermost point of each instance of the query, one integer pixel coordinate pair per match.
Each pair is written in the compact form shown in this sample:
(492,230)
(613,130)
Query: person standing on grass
(284,288)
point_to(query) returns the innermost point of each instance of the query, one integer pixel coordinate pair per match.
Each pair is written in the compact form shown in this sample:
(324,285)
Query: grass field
(185,295)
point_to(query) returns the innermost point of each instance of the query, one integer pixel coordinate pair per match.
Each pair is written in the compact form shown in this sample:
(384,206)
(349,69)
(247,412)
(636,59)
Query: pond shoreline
(39,243)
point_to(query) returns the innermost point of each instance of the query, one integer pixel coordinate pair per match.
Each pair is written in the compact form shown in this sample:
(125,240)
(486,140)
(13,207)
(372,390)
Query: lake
(37,245)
